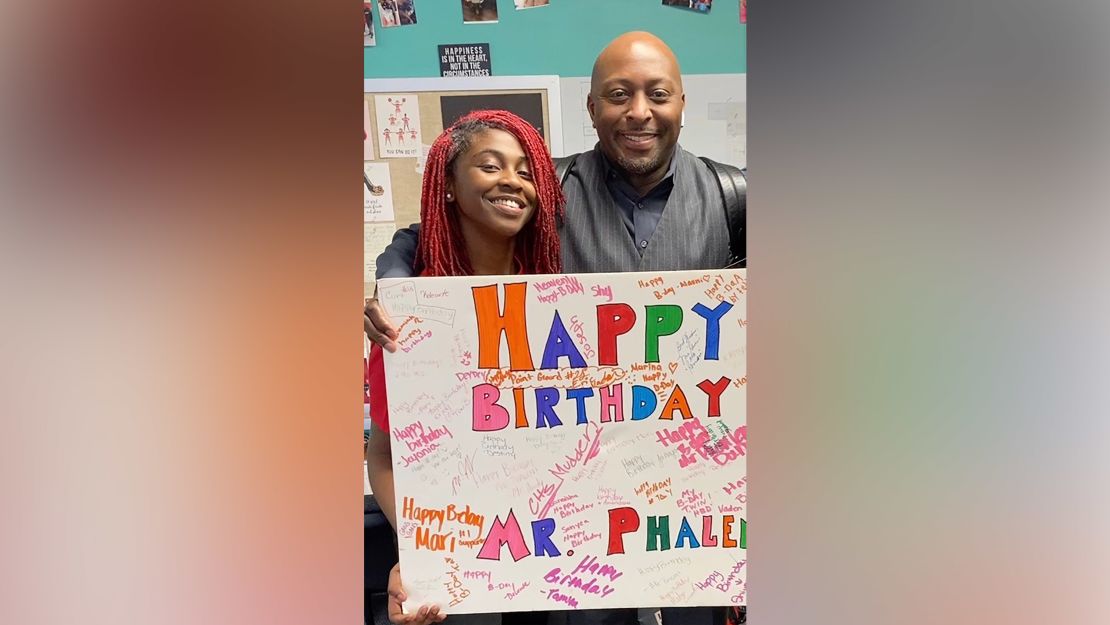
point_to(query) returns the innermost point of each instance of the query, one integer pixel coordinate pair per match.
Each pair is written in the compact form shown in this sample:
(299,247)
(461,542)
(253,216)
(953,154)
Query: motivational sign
(570,442)
(464,59)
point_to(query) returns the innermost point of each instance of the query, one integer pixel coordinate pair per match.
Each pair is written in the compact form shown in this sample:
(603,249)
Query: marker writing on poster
(604,463)
(657,535)
(506,321)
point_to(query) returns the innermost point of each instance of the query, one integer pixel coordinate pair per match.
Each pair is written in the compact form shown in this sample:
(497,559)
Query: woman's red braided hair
(441,250)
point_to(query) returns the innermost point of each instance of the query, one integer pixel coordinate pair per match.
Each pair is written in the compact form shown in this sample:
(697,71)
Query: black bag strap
(562,167)
(733,184)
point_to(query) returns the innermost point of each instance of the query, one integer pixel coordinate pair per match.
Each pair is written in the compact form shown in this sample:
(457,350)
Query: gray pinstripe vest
(692,233)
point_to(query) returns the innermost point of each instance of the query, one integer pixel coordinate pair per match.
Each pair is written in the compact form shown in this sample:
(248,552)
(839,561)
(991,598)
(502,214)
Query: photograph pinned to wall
(530,4)
(397,12)
(367,133)
(398,125)
(464,59)
(368,25)
(701,6)
(479,11)
(528,106)
(387,9)
(377,189)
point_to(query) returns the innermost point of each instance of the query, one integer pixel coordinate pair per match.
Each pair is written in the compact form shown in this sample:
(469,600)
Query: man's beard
(642,165)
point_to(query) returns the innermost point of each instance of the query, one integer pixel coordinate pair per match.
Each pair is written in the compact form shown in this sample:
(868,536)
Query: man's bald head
(629,46)
(636,104)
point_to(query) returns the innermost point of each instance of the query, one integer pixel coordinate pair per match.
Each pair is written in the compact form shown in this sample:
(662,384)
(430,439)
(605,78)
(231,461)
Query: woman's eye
(527,175)
(489,168)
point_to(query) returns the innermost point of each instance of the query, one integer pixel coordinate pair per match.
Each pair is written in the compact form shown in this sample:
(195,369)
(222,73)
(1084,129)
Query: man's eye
(619,95)
(660,95)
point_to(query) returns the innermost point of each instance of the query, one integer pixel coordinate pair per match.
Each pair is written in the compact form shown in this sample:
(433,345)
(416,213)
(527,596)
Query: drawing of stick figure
(396,104)
(405,122)
(400,137)
(392,120)
(412,135)
(385,133)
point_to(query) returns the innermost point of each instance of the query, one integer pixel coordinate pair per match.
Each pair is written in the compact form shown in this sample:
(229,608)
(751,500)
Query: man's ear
(590,105)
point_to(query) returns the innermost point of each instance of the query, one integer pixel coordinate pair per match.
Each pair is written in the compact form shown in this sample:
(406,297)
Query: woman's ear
(450,189)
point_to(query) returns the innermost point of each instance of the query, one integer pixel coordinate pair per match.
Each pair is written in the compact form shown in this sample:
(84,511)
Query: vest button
(643,244)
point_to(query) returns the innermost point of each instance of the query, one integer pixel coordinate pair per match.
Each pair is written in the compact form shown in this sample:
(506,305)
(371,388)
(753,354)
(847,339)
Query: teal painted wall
(562,38)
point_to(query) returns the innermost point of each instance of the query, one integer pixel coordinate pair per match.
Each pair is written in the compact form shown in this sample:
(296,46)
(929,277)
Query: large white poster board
(570,442)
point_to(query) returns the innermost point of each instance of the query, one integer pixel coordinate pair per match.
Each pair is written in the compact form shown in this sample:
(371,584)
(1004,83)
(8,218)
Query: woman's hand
(378,326)
(424,616)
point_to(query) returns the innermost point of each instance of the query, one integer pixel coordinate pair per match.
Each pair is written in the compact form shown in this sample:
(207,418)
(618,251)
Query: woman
(489,206)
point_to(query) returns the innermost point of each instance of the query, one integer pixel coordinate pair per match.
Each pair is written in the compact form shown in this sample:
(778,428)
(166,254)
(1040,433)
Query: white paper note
(377,189)
(376,237)
(398,125)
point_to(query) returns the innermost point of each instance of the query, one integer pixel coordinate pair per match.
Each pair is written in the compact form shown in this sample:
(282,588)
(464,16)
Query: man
(636,202)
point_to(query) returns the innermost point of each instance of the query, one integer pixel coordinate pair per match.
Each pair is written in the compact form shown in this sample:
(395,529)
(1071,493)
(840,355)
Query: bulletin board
(415,108)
